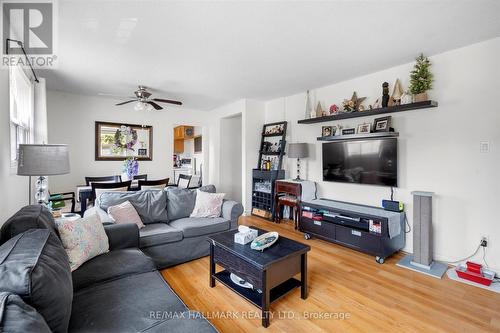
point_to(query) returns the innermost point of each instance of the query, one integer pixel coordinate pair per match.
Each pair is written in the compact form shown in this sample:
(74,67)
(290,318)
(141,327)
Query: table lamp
(42,160)
(298,151)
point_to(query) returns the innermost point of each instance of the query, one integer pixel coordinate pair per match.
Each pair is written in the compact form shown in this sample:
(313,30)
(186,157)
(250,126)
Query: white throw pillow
(83,239)
(125,213)
(208,204)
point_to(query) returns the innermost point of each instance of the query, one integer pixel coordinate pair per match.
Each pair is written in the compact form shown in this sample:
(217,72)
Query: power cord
(407,224)
(392,193)
(472,255)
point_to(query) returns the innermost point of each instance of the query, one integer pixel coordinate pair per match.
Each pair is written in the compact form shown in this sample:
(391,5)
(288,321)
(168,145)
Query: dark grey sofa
(119,291)
(170,236)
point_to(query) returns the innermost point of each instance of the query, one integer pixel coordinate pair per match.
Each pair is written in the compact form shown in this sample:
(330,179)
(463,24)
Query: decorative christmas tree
(421,77)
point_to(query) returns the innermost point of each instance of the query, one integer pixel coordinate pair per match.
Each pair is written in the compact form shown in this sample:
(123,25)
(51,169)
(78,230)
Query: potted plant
(421,79)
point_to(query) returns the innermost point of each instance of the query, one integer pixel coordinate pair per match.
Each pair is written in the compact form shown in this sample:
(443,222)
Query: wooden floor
(357,294)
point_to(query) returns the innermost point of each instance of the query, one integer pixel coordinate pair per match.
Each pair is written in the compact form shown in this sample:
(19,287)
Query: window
(21,92)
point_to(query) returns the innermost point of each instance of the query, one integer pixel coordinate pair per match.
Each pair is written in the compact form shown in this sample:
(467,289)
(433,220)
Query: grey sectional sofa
(119,291)
(170,236)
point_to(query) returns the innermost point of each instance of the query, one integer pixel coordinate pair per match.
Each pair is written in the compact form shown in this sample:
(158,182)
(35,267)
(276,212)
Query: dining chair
(183,181)
(153,184)
(99,188)
(105,179)
(141,177)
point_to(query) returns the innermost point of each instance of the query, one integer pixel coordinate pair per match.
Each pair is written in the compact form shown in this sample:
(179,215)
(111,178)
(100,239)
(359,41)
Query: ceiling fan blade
(126,102)
(167,101)
(156,106)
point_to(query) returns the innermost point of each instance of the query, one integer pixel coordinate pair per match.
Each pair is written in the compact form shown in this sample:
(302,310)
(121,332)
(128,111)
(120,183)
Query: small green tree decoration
(421,77)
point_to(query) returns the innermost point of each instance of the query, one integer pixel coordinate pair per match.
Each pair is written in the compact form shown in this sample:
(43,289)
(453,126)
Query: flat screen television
(373,161)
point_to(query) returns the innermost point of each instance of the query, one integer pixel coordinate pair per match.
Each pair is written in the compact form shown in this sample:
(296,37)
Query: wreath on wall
(125,138)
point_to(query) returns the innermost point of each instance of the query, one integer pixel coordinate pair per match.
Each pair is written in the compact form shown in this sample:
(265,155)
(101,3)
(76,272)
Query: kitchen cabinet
(178,146)
(183,132)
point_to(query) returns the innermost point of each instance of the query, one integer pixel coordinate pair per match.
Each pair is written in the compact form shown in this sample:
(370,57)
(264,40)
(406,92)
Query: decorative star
(357,100)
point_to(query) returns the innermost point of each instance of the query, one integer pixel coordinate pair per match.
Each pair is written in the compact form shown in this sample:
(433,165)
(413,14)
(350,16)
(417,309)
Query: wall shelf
(376,135)
(373,112)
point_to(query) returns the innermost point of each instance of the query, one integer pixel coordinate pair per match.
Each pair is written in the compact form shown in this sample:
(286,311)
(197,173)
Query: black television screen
(372,161)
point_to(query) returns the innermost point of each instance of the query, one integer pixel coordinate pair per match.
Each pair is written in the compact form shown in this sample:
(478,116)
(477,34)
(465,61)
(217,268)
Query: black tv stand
(367,229)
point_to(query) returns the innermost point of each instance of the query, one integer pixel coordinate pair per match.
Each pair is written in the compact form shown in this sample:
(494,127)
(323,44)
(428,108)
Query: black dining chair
(105,179)
(98,188)
(183,181)
(153,184)
(141,177)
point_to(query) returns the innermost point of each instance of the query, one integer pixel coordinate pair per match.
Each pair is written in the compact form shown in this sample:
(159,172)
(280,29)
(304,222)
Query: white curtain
(40,113)
(21,109)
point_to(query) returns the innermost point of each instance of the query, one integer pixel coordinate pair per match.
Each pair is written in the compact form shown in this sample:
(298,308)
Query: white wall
(438,148)
(15,187)
(231,157)
(253,120)
(253,113)
(71,120)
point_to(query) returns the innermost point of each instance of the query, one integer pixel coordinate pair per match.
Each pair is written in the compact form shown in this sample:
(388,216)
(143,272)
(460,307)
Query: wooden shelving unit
(375,135)
(263,201)
(373,112)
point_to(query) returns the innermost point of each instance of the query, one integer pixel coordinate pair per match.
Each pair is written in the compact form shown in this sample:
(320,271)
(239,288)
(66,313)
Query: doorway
(188,154)
(231,157)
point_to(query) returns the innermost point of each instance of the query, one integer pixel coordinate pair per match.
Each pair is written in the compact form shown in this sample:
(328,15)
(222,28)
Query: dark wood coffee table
(271,272)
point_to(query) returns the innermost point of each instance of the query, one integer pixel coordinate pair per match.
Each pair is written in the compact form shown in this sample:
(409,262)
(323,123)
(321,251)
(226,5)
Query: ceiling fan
(143,100)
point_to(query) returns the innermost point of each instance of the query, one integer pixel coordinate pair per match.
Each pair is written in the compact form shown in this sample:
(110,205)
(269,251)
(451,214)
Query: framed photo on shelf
(348,131)
(327,131)
(382,124)
(364,128)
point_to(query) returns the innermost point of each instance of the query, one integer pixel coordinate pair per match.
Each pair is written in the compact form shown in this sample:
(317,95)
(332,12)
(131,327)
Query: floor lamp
(41,161)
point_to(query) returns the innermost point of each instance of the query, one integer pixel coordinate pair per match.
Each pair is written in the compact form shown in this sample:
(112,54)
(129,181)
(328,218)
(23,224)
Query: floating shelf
(372,112)
(375,135)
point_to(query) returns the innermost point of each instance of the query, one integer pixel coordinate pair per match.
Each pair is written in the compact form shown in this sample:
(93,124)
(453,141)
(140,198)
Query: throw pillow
(83,239)
(181,201)
(150,205)
(207,204)
(125,213)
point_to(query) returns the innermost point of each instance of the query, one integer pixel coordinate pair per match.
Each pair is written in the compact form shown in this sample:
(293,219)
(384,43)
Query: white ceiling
(210,53)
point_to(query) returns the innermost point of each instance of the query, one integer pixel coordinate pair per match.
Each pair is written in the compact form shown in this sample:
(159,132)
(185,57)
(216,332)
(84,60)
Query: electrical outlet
(484,241)
(484,146)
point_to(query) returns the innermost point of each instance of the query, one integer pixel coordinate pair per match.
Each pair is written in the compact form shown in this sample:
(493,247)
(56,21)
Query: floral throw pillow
(83,239)
(207,204)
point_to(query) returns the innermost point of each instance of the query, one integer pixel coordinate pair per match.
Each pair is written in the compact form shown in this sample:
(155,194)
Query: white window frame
(21,104)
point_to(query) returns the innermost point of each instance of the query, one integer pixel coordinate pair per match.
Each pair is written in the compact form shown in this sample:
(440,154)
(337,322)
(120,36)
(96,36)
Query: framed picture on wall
(117,141)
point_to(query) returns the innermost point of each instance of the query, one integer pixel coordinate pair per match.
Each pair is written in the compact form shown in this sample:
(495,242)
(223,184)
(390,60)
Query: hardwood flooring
(356,293)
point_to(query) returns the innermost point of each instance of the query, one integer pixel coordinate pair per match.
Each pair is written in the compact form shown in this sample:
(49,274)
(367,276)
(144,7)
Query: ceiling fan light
(139,106)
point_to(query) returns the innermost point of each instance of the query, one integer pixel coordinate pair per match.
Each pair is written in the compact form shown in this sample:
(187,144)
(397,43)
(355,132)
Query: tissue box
(245,237)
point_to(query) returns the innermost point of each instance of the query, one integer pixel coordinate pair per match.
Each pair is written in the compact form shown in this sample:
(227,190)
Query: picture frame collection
(382,124)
